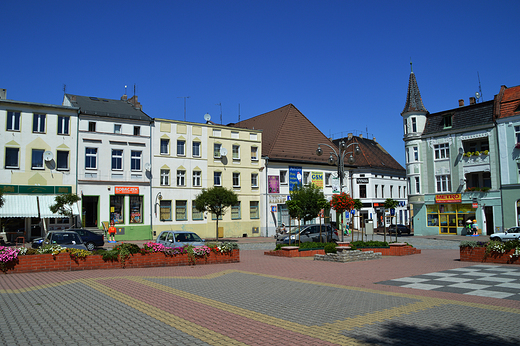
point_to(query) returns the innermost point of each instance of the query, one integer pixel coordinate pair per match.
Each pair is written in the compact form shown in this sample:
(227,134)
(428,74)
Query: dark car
(401,229)
(66,239)
(311,233)
(90,239)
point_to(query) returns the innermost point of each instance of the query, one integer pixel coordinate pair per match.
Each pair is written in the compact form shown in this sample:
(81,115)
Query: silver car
(179,239)
(511,234)
(310,233)
(64,239)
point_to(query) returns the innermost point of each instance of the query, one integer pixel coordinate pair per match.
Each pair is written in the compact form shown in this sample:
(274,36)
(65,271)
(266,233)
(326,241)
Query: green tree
(390,204)
(215,200)
(2,200)
(63,204)
(306,203)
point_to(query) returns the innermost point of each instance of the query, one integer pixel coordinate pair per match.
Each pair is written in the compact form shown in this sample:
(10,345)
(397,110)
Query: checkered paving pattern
(478,280)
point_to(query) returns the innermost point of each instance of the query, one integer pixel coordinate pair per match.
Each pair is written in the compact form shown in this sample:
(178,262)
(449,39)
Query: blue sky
(344,64)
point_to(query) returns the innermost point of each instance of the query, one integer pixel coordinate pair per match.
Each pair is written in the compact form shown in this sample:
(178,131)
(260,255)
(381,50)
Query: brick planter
(478,254)
(293,251)
(395,249)
(63,262)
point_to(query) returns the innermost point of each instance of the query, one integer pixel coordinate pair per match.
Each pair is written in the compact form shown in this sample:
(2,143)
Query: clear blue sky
(344,64)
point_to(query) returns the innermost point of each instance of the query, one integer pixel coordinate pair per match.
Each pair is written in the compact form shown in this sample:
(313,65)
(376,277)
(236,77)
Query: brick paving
(263,300)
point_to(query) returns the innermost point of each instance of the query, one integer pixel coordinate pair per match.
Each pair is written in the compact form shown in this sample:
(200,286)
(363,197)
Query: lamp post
(338,158)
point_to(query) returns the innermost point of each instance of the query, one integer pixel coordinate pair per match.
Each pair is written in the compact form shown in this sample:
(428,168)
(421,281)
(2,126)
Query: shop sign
(475,205)
(127,190)
(317,179)
(280,199)
(362,180)
(451,198)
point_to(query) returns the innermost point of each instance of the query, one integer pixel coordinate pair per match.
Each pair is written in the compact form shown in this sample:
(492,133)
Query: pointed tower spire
(413,98)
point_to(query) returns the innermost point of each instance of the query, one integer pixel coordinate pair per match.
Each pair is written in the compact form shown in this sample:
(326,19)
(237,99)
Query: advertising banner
(295,176)
(126,190)
(451,198)
(317,179)
(273,183)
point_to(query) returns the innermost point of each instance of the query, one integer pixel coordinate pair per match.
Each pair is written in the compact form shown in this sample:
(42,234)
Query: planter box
(63,262)
(478,254)
(294,251)
(395,249)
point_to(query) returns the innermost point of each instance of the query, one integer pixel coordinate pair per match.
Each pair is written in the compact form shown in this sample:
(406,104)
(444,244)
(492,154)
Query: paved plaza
(264,300)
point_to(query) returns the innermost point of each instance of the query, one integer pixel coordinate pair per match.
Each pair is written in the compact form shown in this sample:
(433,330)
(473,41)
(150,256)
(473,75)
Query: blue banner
(295,177)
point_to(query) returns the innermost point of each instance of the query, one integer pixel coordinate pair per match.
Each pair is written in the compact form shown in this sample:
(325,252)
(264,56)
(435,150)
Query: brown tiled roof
(288,135)
(510,102)
(372,155)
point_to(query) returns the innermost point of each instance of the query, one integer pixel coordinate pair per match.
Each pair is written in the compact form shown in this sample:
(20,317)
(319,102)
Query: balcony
(475,162)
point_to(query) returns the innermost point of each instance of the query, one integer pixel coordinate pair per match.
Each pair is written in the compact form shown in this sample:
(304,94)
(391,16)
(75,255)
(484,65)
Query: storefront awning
(45,204)
(19,206)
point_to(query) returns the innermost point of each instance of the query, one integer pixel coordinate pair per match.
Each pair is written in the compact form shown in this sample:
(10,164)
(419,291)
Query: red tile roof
(510,102)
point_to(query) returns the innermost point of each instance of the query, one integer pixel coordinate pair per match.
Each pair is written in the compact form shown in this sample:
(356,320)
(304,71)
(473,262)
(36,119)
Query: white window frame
(181,147)
(416,154)
(197,178)
(165,144)
(118,158)
(118,129)
(91,155)
(64,124)
(196,149)
(216,150)
(136,158)
(441,151)
(414,124)
(59,160)
(217,178)
(181,177)
(165,177)
(91,126)
(306,176)
(283,177)
(235,148)
(15,120)
(254,153)
(443,183)
(37,154)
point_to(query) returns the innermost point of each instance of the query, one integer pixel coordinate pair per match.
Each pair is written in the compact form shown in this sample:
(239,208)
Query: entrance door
(488,211)
(90,211)
(448,223)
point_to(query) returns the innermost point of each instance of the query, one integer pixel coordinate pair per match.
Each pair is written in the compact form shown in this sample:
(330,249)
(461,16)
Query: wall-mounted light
(158,197)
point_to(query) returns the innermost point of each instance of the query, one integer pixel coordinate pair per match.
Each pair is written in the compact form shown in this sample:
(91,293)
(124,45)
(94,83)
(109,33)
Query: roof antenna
(411,67)
(478,94)
(64,89)
(220,104)
(184,97)
(134,89)
(239,112)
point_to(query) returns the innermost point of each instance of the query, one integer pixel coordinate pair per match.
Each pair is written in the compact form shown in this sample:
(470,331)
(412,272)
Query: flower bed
(151,255)
(395,249)
(491,252)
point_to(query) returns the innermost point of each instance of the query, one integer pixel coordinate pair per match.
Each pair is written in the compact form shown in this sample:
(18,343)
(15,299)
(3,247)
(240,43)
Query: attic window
(447,121)
(94,98)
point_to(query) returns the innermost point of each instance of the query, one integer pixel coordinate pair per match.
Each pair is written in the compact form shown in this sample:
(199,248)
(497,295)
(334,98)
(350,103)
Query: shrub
(370,243)
(330,248)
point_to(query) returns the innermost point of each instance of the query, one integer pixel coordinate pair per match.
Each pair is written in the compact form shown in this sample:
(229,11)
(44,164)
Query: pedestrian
(283,230)
(475,227)
(112,233)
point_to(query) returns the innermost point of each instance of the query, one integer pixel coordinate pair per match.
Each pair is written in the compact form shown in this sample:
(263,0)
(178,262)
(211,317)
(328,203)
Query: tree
(2,200)
(390,204)
(215,200)
(306,203)
(340,203)
(63,204)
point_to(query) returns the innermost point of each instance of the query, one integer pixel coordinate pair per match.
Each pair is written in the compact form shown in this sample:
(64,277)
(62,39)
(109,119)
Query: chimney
(349,136)
(124,97)
(3,94)
(374,139)
(360,135)
(461,103)
(472,100)
(133,100)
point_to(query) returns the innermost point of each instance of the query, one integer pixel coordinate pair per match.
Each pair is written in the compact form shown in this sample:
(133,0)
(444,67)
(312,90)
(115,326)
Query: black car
(91,239)
(400,229)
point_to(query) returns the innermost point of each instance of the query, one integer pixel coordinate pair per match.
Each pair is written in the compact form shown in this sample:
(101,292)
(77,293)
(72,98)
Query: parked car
(510,234)
(66,239)
(400,229)
(311,233)
(179,239)
(91,239)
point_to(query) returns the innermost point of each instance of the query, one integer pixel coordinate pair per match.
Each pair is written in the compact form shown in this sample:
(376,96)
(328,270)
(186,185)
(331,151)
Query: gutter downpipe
(151,176)
(77,160)
(266,158)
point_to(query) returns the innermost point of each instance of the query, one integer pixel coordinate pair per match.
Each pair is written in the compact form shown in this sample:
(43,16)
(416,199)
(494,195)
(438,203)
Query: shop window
(166,211)
(181,211)
(195,213)
(116,209)
(136,209)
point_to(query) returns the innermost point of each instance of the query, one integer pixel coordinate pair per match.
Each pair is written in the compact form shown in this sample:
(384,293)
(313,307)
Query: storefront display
(116,209)
(449,217)
(136,209)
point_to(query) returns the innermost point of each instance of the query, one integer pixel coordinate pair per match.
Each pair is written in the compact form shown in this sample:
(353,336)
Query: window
(166,211)
(63,125)
(217,178)
(180,178)
(517,134)
(416,153)
(116,209)
(382,191)
(197,178)
(195,214)
(447,121)
(414,125)
(235,211)
(196,149)
(91,126)
(37,159)
(442,151)
(417,185)
(136,209)
(362,191)
(391,191)
(180,147)
(375,189)
(399,192)
(62,160)
(283,177)
(117,128)
(137,130)
(254,153)
(306,178)
(91,158)
(254,179)
(11,157)
(135,162)
(38,123)
(405,127)
(234,134)
(180,210)
(165,177)
(407,154)
(486,179)
(216,150)
(13,121)
(443,183)
(253,210)
(165,146)
(236,152)
(236,179)
(327,179)
(117,159)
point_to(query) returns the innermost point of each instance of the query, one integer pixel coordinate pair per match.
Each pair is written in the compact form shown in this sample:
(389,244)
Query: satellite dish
(207,117)
(147,166)
(48,156)
(477,95)
(223,151)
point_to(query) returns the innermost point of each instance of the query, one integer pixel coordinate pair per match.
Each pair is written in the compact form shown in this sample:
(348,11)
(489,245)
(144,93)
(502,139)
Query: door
(90,211)
(488,212)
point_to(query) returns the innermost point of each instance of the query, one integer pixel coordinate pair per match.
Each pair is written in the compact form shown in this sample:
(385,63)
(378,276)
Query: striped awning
(19,206)
(45,204)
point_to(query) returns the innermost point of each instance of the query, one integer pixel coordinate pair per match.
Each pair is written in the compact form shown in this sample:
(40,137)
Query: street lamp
(338,158)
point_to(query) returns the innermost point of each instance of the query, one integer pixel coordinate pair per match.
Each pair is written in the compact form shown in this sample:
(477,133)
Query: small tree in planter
(390,204)
(215,200)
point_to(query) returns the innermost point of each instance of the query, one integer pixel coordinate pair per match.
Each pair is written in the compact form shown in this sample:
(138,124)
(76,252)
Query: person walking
(112,233)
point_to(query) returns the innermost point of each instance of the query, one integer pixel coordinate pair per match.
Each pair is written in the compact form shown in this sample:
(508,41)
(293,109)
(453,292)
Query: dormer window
(414,124)
(447,121)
